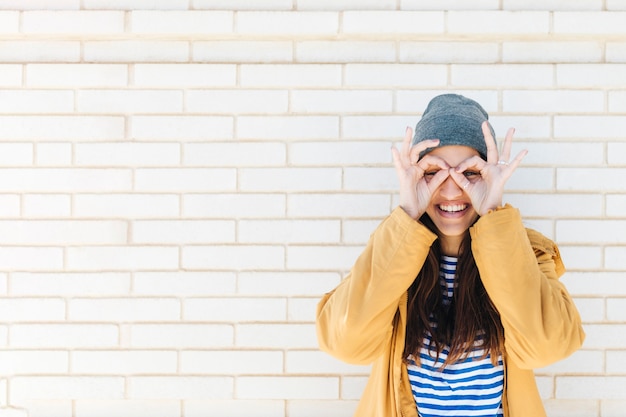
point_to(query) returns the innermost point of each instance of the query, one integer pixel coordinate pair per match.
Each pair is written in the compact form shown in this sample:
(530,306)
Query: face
(450,207)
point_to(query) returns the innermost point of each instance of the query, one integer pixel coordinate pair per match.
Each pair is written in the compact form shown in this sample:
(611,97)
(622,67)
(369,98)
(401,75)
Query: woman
(453,301)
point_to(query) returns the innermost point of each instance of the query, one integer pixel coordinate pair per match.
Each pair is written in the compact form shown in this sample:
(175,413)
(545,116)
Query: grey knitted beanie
(454,120)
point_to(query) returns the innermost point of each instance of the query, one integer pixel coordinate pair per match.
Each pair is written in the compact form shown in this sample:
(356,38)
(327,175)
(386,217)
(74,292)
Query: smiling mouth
(453,208)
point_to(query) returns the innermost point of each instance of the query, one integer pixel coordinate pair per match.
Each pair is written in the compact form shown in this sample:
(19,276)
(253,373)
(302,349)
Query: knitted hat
(454,120)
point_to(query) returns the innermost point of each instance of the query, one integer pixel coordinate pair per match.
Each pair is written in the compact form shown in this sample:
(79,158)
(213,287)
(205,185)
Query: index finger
(490,141)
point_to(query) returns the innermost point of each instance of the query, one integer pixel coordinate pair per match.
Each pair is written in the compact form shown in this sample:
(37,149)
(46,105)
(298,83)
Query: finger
(508,143)
(490,141)
(429,161)
(460,179)
(438,179)
(518,159)
(397,162)
(420,147)
(406,143)
(475,162)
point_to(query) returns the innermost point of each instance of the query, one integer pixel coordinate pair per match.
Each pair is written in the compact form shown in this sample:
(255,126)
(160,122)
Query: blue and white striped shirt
(471,387)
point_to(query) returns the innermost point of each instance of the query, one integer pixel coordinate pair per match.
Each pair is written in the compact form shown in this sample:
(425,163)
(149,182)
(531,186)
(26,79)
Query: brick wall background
(180,181)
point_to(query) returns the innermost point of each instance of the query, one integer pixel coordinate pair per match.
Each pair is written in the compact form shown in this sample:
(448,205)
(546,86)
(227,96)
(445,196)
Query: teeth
(453,208)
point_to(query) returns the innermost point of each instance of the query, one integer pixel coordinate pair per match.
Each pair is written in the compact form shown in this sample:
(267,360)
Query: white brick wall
(181,180)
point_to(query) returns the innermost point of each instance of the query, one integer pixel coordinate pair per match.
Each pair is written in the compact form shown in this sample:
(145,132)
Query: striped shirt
(471,387)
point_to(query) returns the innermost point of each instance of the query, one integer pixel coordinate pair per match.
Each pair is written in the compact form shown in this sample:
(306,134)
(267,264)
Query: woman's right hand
(418,178)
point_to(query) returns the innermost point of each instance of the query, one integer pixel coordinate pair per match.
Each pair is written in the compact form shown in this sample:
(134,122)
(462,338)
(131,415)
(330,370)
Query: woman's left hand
(486,188)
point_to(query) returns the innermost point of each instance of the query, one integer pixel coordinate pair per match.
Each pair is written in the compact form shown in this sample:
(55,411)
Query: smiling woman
(453,300)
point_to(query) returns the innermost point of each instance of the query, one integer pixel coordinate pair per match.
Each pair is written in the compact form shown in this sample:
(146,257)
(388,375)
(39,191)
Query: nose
(450,190)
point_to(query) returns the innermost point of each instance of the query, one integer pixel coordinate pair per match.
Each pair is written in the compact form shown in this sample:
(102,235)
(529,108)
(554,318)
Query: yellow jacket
(363,320)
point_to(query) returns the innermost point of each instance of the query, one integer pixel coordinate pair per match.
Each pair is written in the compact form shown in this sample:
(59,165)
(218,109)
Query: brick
(615,153)
(328,408)
(357,231)
(235,408)
(551,5)
(615,52)
(185,179)
(601,336)
(502,75)
(59,408)
(553,101)
(289,179)
(286,387)
(39,51)
(580,362)
(393,22)
(415,101)
(287,127)
(615,205)
(375,127)
(575,154)
(65,387)
(10,205)
(239,154)
(612,408)
(398,75)
(615,362)
(286,283)
(240,257)
(16,154)
(36,101)
(278,336)
(39,4)
(4,335)
(54,128)
(340,51)
(525,126)
(590,75)
(9,22)
(184,283)
(136,4)
(500,22)
(370,179)
(352,387)
(303,309)
(588,126)
(339,153)
(127,154)
(236,310)
(581,257)
(4,284)
(287,23)
(571,408)
(243,5)
(449,52)
(187,75)
(15,362)
(10,75)
(346,5)
(183,231)
(53,154)
(545,386)
(615,5)
(72,22)
(617,103)
(552,52)
(590,231)
(128,408)
(344,101)
(242,205)
(69,284)
(242,51)
(64,335)
(229,362)
(594,283)
(185,128)
(540,178)
(129,101)
(557,205)
(590,387)
(173,22)
(288,231)
(183,336)
(335,257)
(31,258)
(590,179)
(317,362)
(615,257)
(116,258)
(124,309)
(596,22)
(237,101)
(31,310)
(180,387)
(132,51)
(591,309)
(301,75)
(126,205)
(449,5)
(124,362)
(61,232)
(338,205)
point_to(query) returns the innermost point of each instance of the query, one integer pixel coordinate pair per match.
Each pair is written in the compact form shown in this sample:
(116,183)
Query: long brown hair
(470,315)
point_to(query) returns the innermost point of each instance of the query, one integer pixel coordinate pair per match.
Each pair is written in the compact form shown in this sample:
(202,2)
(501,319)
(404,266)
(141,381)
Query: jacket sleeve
(520,270)
(354,321)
